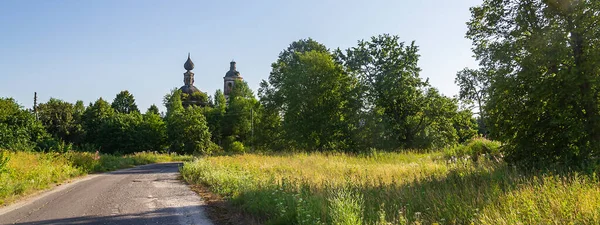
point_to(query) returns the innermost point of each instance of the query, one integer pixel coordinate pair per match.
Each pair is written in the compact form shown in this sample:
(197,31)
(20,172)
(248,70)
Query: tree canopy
(124,102)
(543,59)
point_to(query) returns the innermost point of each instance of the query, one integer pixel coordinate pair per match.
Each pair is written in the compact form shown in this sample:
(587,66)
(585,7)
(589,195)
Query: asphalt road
(150,194)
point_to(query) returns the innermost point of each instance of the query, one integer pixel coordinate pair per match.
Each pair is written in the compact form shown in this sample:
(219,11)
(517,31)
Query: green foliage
(474,148)
(188,131)
(465,125)
(152,133)
(50,144)
(119,134)
(123,132)
(215,117)
(473,85)
(93,118)
(172,101)
(124,102)
(235,147)
(345,207)
(19,129)
(268,131)
(239,113)
(313,93)
(4,158)
(62,119)
(153,109)
(399,109)
(543,61)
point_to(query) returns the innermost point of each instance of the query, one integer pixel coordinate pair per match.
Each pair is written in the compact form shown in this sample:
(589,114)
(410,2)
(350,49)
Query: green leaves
(62,119)
(543,60)
(19,130)
(124,103)
(312,92)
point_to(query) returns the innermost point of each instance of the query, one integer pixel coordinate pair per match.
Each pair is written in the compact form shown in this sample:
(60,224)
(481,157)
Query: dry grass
(394,188)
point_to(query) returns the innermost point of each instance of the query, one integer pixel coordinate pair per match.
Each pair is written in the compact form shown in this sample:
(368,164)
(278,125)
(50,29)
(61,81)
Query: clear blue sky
(83,50)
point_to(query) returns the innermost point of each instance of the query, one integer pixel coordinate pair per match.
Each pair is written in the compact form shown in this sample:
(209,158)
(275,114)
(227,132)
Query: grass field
(394,188)
(22,173)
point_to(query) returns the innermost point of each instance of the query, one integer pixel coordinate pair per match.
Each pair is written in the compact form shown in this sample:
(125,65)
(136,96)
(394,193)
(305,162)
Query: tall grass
(25,172)
(395,188)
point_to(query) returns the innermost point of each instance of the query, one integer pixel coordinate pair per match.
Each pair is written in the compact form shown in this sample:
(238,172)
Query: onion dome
(189,65)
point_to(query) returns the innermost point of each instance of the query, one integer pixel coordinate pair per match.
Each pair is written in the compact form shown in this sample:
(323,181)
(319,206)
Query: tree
(19,129)
(62,119)
(189,132)
(543,93)
(172,102)
(94,117)
(474,86)
(153,109)
(268,131)
(124,103)
(390,86)
(312,93)
(237,120)
(215,116)
(119,133)
(153,132)
(187,129)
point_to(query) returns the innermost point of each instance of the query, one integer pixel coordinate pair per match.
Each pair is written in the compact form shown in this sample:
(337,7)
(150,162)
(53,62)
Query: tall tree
(124,103)
(60,119)
(237,121)
(215,116)
(312,93)
(94,117)
(543,94)
(389,76)
(187,129)
(474,86)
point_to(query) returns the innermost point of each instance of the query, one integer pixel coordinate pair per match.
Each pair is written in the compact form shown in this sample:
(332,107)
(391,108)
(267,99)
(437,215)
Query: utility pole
(35,105)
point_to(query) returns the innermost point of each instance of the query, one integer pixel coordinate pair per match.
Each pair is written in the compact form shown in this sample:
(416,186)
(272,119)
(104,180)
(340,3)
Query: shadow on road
(151,169)
(160,216)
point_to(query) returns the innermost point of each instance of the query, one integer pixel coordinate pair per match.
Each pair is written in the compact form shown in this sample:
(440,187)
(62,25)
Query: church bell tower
(229,80)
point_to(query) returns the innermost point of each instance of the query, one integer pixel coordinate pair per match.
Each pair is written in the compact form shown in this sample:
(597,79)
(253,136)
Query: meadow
(397,188)
(23,173)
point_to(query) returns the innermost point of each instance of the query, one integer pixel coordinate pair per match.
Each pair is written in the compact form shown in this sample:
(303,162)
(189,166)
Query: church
(193,96)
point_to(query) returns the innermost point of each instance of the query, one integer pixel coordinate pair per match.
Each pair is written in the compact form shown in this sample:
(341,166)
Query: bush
(475,148)
(187,131)
(236,147)
(49,144)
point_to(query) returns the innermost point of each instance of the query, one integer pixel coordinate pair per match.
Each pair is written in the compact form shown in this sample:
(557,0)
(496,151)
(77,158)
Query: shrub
(49,144)
(475,148)
(236,147)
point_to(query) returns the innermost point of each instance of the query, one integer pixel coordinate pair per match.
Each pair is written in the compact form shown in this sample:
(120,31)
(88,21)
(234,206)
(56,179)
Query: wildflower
(97,155)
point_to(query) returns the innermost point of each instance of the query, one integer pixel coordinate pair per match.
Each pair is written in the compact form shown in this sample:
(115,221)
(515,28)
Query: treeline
(316,99)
